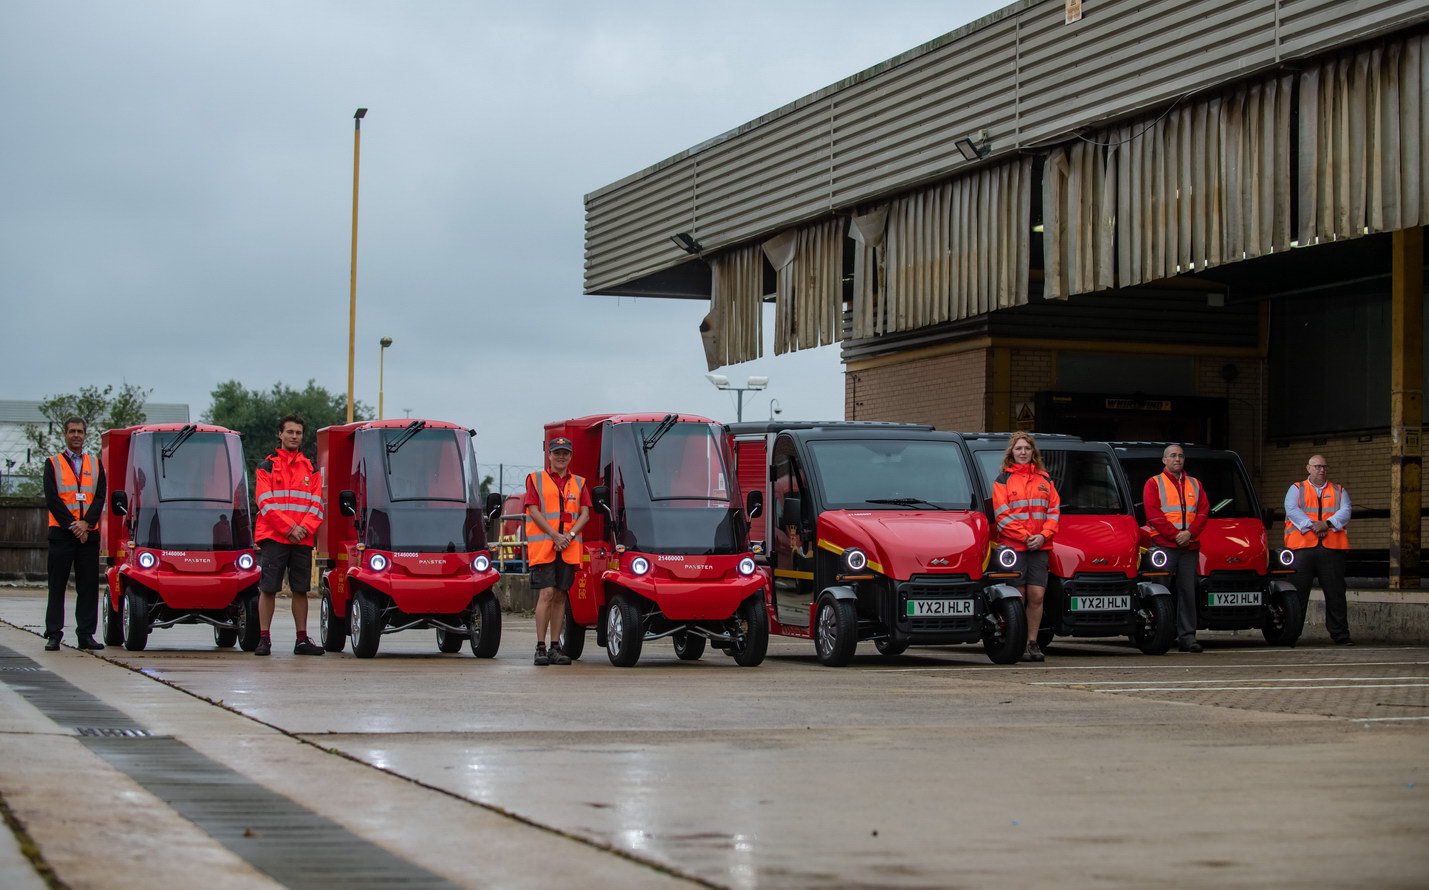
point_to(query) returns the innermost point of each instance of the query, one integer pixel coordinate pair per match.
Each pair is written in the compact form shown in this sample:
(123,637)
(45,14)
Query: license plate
(1118,603)
(927,608)
(1249,598)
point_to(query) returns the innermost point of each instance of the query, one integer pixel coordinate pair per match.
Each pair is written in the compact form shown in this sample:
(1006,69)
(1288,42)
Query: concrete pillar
(1406,407)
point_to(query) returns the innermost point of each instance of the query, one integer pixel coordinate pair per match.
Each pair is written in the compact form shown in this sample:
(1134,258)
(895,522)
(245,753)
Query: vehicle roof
(594,420)
(778,426)
(173,427)
(1155,449)
(397,423)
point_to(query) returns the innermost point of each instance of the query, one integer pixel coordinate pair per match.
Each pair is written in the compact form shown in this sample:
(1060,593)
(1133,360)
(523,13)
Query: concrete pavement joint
(28,848)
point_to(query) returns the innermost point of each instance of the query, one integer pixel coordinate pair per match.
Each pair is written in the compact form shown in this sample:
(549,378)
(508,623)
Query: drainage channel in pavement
(285,840)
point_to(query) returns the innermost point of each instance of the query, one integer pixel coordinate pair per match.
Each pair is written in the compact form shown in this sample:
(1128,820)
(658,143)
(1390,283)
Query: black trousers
(1328,566)
(1184,566)
(68,554)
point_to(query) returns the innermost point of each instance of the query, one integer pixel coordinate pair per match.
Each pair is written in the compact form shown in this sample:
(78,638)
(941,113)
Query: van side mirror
(791,512)
(600,496)
(119,503)
(347,502)
(1140,509)
(754,504)
(494,500)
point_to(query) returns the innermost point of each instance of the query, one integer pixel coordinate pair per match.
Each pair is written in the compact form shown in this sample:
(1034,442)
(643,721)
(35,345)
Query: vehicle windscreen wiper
(904,502)
(411,430)
(648,442)
(168,450)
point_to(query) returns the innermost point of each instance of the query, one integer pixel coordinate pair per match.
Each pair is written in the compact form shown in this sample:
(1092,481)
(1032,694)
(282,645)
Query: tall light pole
(381,371)
(352,286)
(753,383)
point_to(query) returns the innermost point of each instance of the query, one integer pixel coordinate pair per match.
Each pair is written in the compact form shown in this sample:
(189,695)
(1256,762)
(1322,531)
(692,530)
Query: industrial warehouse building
(1198,221)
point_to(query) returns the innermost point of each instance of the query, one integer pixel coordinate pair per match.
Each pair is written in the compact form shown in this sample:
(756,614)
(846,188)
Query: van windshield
(421,491)
(854,472)
(1085,480)
(1221,477)
(188,491)
(673,493)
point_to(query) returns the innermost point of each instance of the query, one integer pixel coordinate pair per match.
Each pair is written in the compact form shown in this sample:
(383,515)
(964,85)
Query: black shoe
(1034,653)
(1192,646)
(90,643)
(542,659)
(306,646)
(1343,641)
(557,656)
(264,647)
(52,644)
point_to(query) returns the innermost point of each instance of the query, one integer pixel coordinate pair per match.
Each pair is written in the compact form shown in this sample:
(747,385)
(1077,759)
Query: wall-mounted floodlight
(974,147)
(686,242)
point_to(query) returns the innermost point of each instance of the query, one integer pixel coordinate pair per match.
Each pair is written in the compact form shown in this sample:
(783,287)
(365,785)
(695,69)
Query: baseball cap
(559,444)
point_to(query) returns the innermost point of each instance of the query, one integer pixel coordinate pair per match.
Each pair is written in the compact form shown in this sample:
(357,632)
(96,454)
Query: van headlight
(1007,558)
(245,561)
(746,566)
(147,560)
(1159,558)
(855,559)
(377,562)
(640,565)
(481,563)
(1287,557)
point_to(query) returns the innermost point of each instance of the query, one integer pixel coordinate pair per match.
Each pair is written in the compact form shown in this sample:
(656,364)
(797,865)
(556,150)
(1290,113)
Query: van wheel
(135,616)
(835,631)
(1004,635)
(250,630)
(1045,636)
(572,635)
(225,637)
(366,622)
(890,647)
(1286,620)
(688,646)
(752,624)
(449,642)
(623,634)
(110,622)
(1155,628)
(332,630)
(484,631)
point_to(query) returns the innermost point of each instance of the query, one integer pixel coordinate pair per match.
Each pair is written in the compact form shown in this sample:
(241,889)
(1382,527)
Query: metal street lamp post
(752,384)
(381,371)
(352,286)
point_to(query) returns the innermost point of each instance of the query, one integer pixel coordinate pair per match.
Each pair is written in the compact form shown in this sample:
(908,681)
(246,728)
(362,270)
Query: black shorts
(1034,567)
(276,557)
(559,574)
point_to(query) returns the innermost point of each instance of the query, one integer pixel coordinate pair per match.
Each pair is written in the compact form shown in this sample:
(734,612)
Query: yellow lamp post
(352,286)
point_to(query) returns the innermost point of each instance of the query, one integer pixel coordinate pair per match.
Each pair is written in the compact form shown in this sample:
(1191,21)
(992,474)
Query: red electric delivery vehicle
(403,542)
(177,537)
(667,545)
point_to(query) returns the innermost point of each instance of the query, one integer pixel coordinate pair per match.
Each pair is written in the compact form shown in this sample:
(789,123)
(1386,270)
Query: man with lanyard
(1176,513)
(74,496)
(289,499)
(1317,512)
(557,505)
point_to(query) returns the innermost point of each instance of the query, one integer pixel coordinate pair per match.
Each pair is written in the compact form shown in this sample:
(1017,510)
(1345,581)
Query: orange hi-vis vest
(560,504)
(77,494)
(1178,512)
(1318,508)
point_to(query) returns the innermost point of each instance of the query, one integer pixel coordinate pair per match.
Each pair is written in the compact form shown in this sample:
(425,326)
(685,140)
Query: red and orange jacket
(1173,505)
(1025,503)
(288,495)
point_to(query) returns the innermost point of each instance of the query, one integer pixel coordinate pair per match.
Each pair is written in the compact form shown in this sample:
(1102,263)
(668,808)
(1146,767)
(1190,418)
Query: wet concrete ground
(1242,766)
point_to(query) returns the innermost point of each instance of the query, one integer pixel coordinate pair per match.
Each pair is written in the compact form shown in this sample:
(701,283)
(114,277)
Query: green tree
(255,414)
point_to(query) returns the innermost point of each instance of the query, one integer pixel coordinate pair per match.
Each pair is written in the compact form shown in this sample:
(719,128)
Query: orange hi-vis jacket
(288,493)
(1319,508)
(1178,506)
(77,494)
(1024,503)
(560,504)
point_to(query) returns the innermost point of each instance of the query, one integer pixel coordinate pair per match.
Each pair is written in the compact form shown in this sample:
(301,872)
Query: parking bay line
(1248,688)
(1170,666)
(1247,680)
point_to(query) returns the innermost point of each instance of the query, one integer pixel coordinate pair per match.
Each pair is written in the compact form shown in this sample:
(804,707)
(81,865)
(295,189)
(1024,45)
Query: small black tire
(688,646)
(250,630)
(890,647)
(484,629)
(1005,639)
(1285,621)
(225,637)
(135,617)
(752,624)
(365,619)
(572,636)
(835,631)
(1155,628)
(1045,636)
(449,642)
(624,632)
(111,623)
(332,630)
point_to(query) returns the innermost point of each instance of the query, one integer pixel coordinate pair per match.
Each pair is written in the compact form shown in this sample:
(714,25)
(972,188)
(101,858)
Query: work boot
(306,646)
(90,643)
(542,659)
(1034,653)
(557,656)
(264,647)
(52,644)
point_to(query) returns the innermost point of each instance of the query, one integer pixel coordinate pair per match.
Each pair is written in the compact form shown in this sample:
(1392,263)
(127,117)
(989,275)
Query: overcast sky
(176,195)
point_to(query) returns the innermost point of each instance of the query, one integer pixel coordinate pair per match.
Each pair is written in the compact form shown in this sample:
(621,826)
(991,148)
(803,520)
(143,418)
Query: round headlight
(481,563)
(377,562)
(1007,557)
(640,565)
(147,560)
(746,566)
(1287,557)
(245,561)
(855,559)
(1159,558)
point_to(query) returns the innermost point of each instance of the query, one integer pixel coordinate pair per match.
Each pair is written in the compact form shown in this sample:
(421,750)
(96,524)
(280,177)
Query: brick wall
(948,391)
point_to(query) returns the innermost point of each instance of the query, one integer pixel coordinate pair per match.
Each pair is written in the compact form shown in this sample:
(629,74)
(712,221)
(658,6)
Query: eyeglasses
(1319,466)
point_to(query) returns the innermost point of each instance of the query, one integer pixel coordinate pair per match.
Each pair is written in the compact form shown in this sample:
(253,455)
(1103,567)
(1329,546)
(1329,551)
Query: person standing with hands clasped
(1027,509)
(288,493)
(74,498)
(1177,512)
(1317,512)
(557,505)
